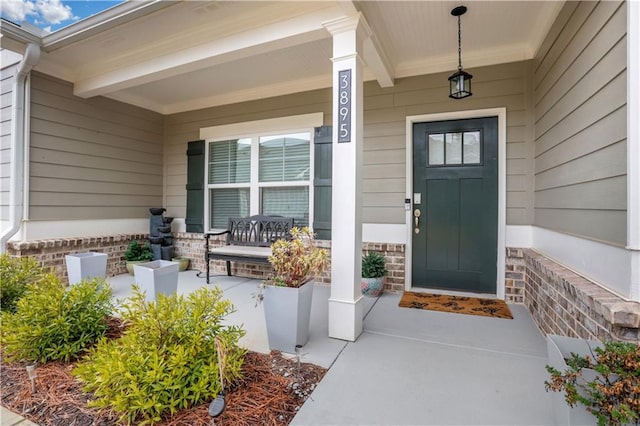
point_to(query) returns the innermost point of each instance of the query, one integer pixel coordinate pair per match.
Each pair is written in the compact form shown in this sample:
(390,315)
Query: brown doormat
(456,304)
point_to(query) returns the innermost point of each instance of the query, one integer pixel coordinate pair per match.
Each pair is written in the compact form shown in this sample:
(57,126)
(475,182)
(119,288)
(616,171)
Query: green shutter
(195,187)
(322,183)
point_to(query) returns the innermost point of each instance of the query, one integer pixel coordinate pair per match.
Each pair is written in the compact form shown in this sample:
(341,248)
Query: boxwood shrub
(52,322)
(15,274)
(166,360)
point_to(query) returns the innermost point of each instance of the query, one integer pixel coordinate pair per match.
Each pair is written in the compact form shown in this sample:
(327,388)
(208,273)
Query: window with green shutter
(259,174)
(277,173)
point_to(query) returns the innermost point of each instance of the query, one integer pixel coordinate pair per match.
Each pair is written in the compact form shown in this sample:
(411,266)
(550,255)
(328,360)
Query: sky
(51,15)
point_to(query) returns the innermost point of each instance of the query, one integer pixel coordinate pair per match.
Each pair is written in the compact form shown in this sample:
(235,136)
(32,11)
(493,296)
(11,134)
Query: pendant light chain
(459,45)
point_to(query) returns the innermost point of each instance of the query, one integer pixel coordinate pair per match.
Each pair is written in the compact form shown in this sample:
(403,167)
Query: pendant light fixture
(460,81)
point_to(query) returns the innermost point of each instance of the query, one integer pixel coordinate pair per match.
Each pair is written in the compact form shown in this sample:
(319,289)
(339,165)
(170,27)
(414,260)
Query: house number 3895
(344,106)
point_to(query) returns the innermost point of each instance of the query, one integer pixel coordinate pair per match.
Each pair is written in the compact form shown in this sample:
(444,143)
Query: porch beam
(345,303)
(377,60)
(269,38)
(372,52)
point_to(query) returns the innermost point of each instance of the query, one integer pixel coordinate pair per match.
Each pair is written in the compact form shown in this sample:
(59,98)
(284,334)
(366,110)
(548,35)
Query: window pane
(230,161)
(472,147)
(225,203)
(453,148)
(284,158)
(288,202)
(436,149)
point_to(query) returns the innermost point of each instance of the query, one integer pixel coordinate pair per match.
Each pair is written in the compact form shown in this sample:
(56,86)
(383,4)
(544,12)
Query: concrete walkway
(409,366)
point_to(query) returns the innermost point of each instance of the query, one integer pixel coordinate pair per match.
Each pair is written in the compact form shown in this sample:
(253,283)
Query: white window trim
(254,129)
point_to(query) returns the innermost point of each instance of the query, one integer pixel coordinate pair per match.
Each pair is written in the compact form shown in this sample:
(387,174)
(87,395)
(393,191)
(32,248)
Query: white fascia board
(288,33)
(100,22)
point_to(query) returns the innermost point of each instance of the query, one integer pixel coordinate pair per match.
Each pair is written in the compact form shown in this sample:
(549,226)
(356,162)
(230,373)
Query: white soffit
(196,54)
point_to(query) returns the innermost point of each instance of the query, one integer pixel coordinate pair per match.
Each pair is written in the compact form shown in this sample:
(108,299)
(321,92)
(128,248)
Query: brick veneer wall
(515,275)
(191,245)
(51,253)
(563,302)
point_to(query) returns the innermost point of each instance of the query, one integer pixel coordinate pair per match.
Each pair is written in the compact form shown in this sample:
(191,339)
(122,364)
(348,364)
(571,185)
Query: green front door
(455,205)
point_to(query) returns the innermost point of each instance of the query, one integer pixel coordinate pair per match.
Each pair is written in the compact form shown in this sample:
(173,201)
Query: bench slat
(249,239)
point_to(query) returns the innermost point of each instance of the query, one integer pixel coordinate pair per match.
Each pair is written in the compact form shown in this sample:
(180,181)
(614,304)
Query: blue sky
(51,15)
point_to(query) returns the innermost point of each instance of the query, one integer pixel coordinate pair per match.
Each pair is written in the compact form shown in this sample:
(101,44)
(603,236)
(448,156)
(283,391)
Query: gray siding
(91,158)
(184,127)
(6,102)
(384,134)
(580,123)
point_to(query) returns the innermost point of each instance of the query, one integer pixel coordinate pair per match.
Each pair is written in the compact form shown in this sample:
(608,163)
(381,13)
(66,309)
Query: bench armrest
(210,234)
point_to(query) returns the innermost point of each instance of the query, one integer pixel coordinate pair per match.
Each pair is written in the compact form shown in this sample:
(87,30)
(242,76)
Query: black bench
(249,240)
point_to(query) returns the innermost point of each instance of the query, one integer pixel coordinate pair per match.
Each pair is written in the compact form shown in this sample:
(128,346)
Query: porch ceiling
(178,56)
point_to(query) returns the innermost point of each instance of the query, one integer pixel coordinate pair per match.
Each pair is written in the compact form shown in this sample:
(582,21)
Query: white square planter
(158,276)
(287,311)
(82,266)
(560,348)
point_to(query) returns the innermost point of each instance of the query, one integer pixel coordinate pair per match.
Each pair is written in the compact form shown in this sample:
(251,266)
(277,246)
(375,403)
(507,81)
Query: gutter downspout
(19,142)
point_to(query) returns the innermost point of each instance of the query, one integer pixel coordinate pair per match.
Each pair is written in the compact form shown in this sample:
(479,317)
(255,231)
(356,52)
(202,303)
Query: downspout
(19,140)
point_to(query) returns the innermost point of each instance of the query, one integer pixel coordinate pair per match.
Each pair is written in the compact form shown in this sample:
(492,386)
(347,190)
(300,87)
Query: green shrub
(15,274)
(54,323)
(137,252)
(166,360)
(373,265)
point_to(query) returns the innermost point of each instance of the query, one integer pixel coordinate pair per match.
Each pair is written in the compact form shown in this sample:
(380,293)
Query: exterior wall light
(460,81)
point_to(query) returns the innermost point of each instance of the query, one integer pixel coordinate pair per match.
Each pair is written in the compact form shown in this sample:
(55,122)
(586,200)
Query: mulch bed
(270,392)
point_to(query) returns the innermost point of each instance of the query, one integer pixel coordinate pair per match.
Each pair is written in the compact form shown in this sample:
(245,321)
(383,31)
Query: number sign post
(344,106)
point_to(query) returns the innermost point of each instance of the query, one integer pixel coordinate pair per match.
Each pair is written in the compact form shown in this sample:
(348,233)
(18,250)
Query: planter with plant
(601,382)
(373,271)
(288,293)
(137,253)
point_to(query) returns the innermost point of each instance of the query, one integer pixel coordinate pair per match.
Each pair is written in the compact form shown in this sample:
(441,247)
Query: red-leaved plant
(295,261)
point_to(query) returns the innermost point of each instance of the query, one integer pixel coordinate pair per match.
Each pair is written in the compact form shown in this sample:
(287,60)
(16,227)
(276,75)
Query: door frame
(501,114)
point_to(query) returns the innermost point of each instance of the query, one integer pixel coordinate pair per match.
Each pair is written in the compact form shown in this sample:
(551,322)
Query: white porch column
(345,303)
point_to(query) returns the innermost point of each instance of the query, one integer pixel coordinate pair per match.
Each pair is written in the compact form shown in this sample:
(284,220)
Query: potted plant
(183,263)
(373,270)
(137,253)
(288,292)
(603,378)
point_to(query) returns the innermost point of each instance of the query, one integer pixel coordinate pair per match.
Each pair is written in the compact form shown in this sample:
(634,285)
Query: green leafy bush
(373,265)
(613,394)
(15,274)
(138,252)
(54,323)
(167,359)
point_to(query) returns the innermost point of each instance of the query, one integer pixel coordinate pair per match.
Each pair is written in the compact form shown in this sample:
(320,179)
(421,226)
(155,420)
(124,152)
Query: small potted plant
(606,381)
(288,292)
(373,271)
(137,253)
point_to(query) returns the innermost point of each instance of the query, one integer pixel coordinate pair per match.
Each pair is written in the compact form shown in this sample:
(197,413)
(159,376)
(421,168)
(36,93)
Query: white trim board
(608,266)
(51,229)
(633,129)
(294,122)
(501,114)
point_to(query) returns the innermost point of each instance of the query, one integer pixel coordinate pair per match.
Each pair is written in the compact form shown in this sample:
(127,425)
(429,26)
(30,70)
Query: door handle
(416,217)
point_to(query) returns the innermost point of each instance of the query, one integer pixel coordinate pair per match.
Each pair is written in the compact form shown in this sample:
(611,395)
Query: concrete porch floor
(409,366)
